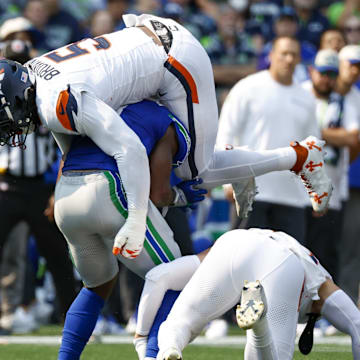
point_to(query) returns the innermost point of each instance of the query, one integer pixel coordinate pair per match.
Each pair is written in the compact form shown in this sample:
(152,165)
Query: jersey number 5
(75,50)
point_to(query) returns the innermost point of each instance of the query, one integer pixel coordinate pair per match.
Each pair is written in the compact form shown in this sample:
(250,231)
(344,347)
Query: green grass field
(35,351)
(126,352)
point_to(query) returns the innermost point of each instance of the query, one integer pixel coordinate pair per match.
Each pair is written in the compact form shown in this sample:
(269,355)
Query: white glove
(129,240)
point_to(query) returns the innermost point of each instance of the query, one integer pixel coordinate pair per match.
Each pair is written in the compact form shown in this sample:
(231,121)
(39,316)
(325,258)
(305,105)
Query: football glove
(186,194)
(129,240)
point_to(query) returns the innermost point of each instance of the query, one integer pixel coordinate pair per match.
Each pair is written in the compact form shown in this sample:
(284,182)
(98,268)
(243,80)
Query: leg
(81,319)
(78,203)
(216,285)
(322,238)
(228,166)
(289,219)
(276,338)
(13,273)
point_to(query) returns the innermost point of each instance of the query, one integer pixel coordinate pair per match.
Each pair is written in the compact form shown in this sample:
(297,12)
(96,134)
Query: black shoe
(306,339)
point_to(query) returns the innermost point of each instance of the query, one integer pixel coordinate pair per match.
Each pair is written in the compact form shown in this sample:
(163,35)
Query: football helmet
(17,104)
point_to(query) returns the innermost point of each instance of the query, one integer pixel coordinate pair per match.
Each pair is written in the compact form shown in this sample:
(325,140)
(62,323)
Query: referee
(24,196)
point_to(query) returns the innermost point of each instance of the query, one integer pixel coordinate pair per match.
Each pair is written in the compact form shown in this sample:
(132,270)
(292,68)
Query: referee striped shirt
(38,156)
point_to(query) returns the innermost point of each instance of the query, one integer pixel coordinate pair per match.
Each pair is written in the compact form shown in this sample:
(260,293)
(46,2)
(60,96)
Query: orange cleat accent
(311,166)
(318,198)
(116,250)
(131,252)
(301,153)
(311,145)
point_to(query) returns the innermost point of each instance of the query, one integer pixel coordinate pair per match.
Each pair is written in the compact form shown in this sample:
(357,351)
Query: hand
(128,242)
(186,194)
(49,211)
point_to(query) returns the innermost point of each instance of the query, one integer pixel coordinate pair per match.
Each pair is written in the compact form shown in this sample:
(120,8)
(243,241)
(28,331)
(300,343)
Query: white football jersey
(118,68)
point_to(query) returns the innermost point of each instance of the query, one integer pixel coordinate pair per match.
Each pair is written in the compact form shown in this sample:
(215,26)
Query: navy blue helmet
(17,103)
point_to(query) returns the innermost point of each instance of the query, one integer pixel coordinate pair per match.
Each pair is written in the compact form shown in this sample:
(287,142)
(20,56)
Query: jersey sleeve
(108,131)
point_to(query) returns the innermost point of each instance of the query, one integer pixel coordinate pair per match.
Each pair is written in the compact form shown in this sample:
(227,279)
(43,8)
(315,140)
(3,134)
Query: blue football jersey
(148,120)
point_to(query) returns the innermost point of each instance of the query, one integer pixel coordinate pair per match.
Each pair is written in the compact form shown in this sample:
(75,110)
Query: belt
(81,172)
(162,33)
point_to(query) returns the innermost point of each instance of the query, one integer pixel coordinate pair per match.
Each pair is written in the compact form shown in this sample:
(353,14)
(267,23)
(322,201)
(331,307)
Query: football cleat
(310,167)
(244,193)
(252,307)
(172,353)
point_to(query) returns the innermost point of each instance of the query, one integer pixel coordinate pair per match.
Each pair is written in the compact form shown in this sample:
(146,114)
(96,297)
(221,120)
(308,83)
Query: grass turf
(126,352)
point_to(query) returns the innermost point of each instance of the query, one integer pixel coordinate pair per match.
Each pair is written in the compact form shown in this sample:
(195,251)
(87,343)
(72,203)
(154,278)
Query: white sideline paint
(201,340)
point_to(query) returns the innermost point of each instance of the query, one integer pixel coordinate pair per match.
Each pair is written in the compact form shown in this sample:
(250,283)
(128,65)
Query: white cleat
(253,305)
(244,192)
(172,353)
(310,167)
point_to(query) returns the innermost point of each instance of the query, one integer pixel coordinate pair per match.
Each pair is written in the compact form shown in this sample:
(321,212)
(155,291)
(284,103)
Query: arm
(161,193)
(341,136)
(106,128)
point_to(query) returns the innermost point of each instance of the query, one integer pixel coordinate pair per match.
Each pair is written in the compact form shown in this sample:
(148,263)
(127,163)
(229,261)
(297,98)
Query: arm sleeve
(168,276)
(106,128)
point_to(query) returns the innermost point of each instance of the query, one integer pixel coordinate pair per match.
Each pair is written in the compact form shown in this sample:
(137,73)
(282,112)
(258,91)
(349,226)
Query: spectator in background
(230,51)
(117,8)
(287,24)
(191,16)
(339,11)
(312,22)
(352,30)
(17,50)
(101,22)
(265,111)
(14,257)
(82,10)
(338,119)
(349,269)
(332,39)
(350,252)
(146,7)
(24,195)
(59,27)
(22,29)
(262,15)
(36,12)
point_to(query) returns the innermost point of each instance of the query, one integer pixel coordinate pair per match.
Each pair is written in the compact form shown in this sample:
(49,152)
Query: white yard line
(201,340)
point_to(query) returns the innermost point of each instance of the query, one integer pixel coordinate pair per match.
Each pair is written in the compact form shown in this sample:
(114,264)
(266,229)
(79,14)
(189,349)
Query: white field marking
(201,340)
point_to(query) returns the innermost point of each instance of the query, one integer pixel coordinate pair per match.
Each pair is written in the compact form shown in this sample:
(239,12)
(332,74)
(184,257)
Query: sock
(166,305)
(261,346)
(140,346)
(341,312)
(79,324)
(301,156)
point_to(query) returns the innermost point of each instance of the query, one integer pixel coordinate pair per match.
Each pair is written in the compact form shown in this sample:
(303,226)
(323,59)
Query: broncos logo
(65,107)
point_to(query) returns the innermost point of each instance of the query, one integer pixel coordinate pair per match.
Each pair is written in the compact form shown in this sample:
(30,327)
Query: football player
(287,285)
(80,88)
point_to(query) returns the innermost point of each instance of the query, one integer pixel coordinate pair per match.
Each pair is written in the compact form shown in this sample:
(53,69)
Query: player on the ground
(292,284)
(79,89)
